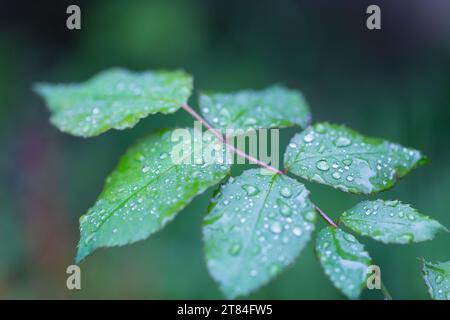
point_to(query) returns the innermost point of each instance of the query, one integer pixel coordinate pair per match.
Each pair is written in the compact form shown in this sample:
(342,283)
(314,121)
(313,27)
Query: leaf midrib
(134,194)
(252,233)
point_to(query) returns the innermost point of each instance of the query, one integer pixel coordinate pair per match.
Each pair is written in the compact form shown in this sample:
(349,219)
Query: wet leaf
(391,222)
(437,279)
(256,226)
(344,260)
(114,99)
(146,190)
(273,107)
(339,157)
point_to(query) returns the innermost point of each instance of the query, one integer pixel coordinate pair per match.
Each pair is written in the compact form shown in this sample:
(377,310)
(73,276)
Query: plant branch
(241,153)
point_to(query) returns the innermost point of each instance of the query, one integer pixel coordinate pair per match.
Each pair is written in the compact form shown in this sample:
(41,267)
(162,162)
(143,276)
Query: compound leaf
(344,260)
(273,107)
(337,156)
(391,222)
(114,99)
(150,185)
(257,224)
(437,279)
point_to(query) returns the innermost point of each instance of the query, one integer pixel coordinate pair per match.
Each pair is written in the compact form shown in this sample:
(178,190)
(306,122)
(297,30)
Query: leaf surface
(437,279)
(114,99)
(344,260)
(146,190)
(257,225)
(339,157)
(273,107)
(391,222)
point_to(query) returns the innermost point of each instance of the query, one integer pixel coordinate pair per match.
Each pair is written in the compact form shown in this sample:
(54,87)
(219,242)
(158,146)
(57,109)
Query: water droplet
(251,190)
(274,270)
(250,121)
(163,155)
(320,128)
(336,175)
(145,169)
(322,165)
(285,210)
(407,238)
(439,278)
(347,162)
(310,216)
(342,142)
(391,203)
(349,237)
(349,178)
(286,192)
(309,137)
(276,227)
(234,249)
(321,148)
(411,217)
(297,231)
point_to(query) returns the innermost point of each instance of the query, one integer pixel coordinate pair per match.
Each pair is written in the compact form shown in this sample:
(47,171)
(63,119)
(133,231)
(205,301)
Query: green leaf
(256,226)
(145,192)
(344,260)
(114,99)
(273,107)
(437,279)
(339,157)
(391,222)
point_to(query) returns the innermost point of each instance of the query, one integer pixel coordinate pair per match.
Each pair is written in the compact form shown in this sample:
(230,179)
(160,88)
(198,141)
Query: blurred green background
(393,83)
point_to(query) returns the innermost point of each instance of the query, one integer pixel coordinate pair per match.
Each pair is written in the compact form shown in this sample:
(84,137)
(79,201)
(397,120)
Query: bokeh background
(393,83)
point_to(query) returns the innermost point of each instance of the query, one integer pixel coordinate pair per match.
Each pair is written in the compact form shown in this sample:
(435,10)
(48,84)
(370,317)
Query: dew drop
(309,137)
(163,155)
(286,192)
(234,249)
(349,238)
(342,142)
(297,231)
(285,210)
(274,270)
(322,165)
(336,175)
(347,162)
(310,216)
(276,227)
(391,203)
(320,128)
(250,190)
